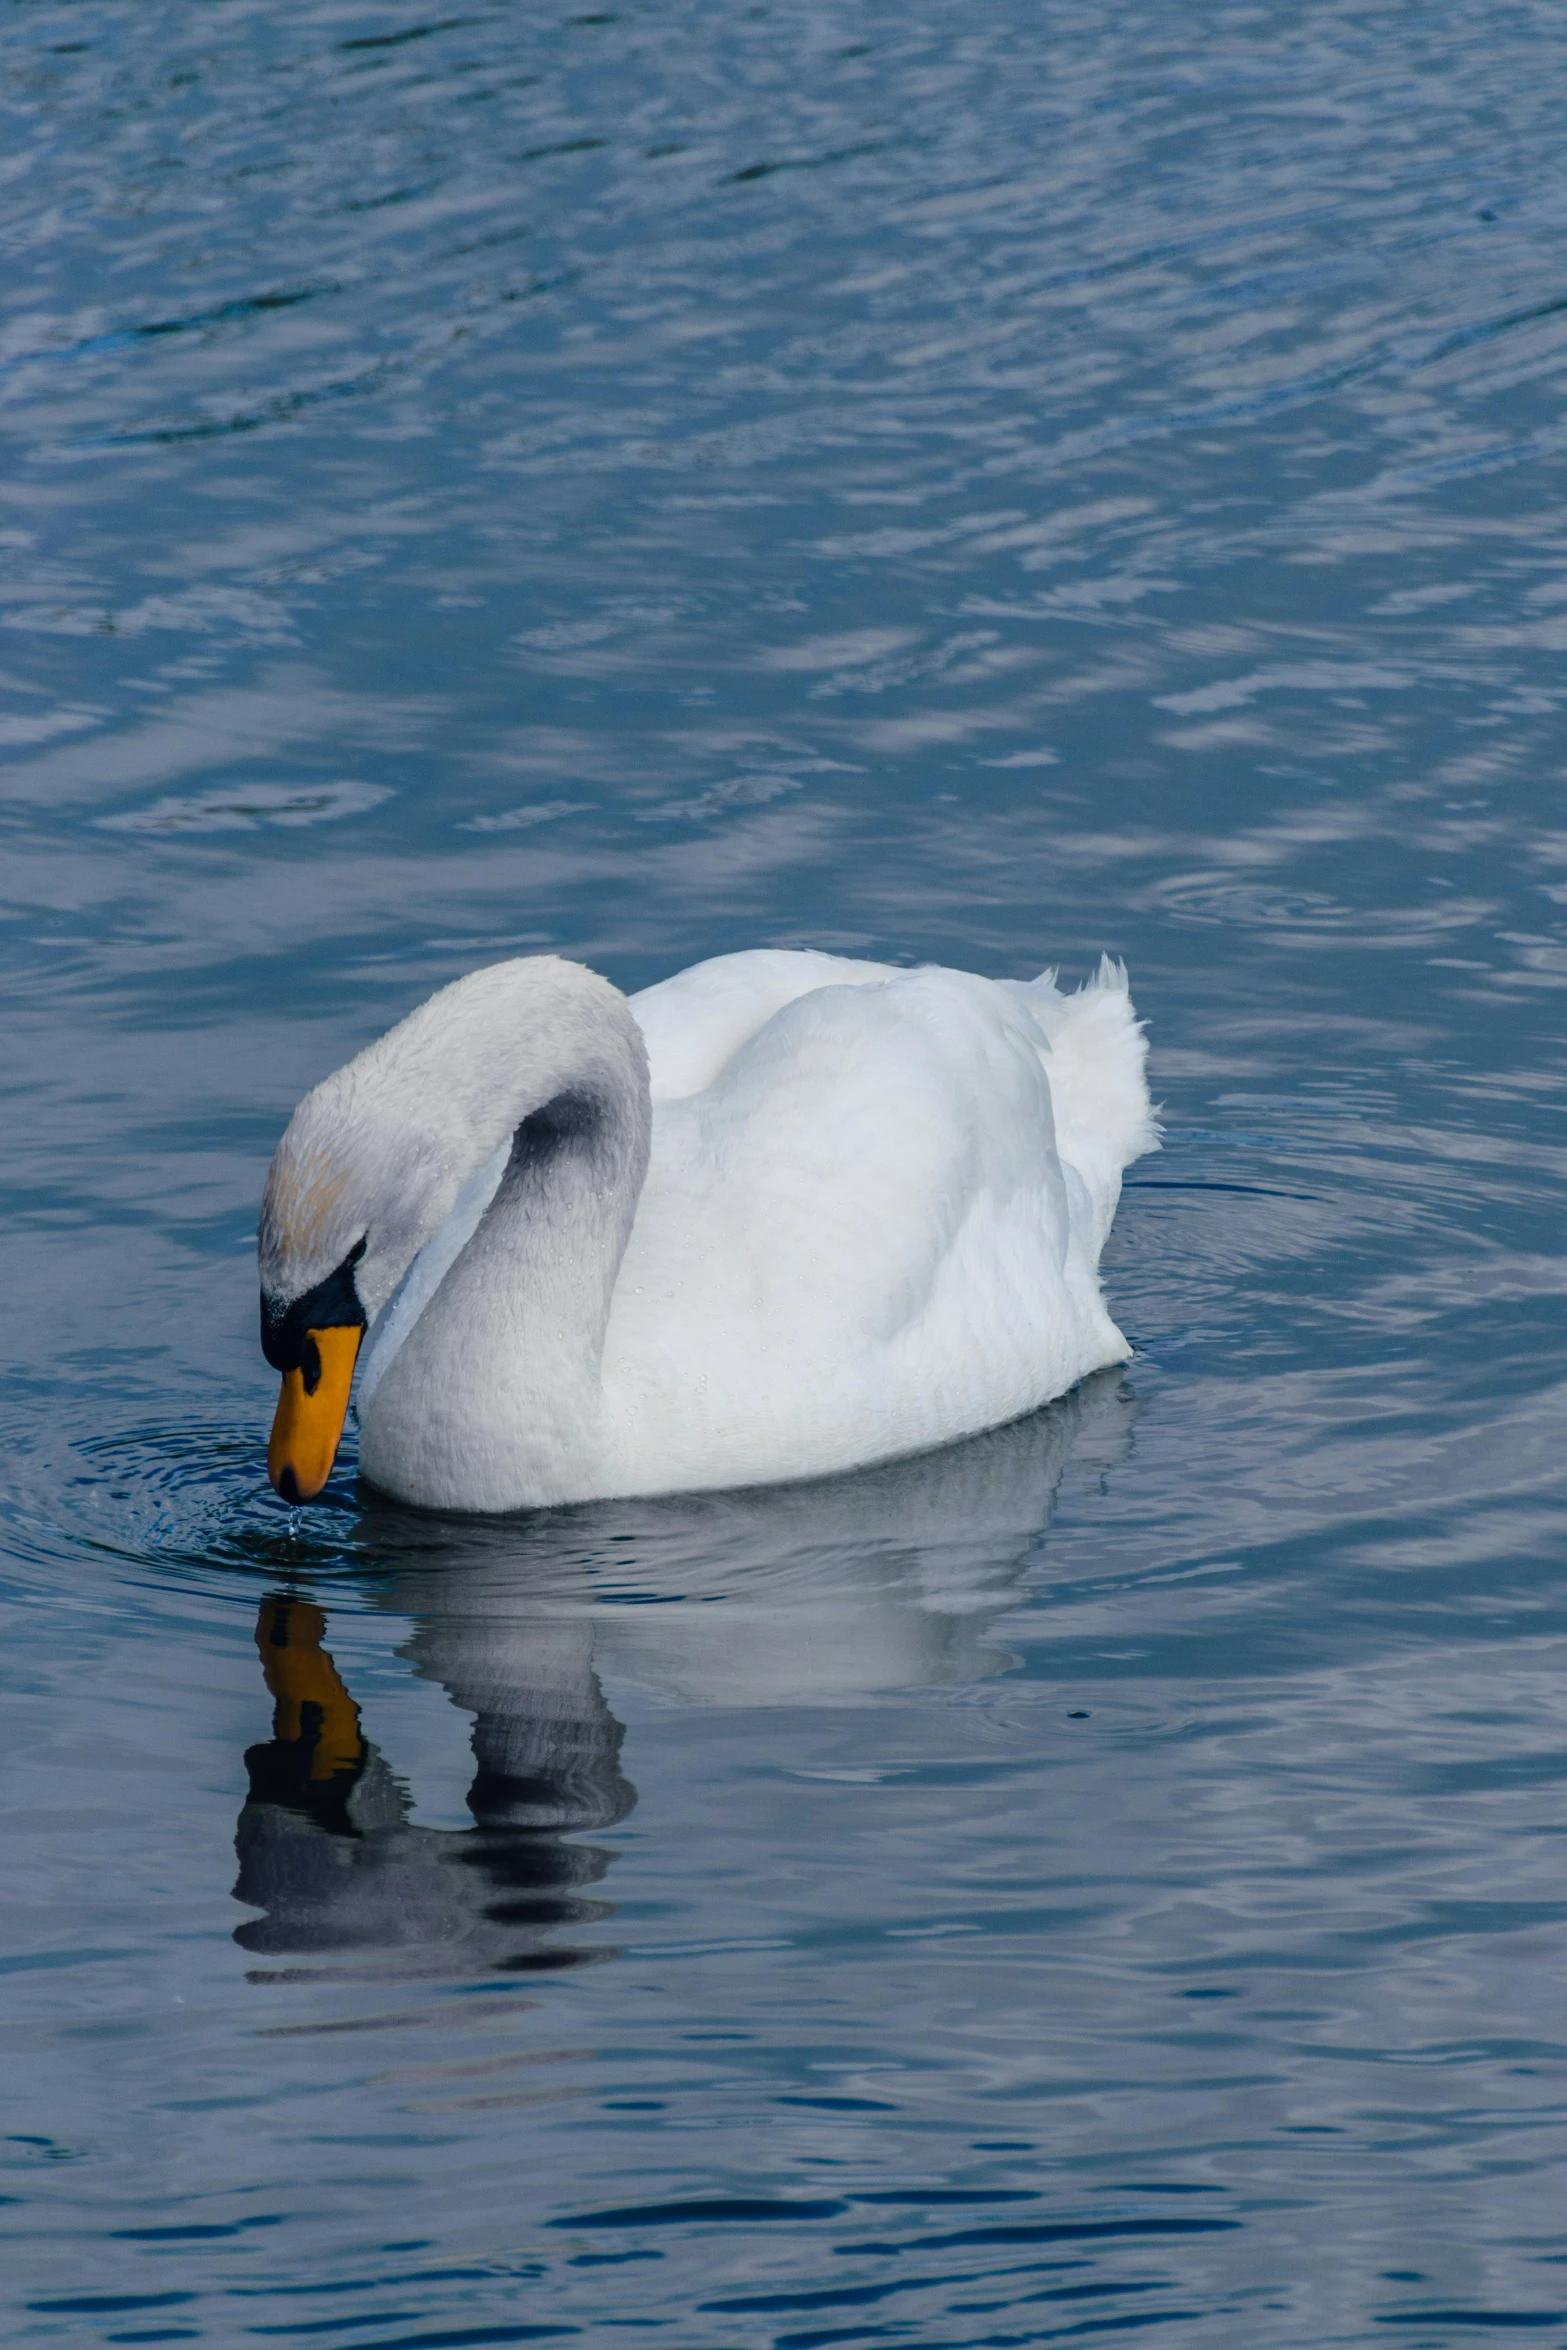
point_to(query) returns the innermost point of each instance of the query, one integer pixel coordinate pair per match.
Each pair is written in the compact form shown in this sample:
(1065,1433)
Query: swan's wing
(863,1226)
(862,1128)
(697,1021)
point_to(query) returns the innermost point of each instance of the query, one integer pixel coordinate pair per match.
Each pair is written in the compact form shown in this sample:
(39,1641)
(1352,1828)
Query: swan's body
(782,1215)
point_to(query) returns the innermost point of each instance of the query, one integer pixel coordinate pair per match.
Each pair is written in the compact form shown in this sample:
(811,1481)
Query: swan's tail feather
(1096,1058)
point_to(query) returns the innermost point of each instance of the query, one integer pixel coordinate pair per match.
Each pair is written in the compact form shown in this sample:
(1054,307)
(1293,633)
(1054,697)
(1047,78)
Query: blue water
(992,485)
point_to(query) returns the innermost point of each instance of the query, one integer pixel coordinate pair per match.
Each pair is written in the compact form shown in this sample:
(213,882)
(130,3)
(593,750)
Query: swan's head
(373,1161)
(333,1240)
(368,1168)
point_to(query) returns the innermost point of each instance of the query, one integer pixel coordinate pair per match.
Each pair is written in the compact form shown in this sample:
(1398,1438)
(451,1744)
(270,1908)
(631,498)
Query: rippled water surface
(984,484)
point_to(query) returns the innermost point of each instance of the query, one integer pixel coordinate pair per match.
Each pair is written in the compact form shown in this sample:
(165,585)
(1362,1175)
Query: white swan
(781,1215)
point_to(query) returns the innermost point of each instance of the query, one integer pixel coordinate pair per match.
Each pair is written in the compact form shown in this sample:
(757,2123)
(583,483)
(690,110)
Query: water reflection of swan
(805,1594)
(328,1853)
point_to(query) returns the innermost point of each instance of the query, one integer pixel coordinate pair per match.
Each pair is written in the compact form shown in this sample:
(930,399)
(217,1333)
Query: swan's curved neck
(495,1394)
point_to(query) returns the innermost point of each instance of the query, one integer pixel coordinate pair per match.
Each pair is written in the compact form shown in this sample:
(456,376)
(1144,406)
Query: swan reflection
(826,1593)
(327,1850)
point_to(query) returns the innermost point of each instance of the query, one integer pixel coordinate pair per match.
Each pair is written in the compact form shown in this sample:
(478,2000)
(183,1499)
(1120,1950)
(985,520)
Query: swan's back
(696,1022)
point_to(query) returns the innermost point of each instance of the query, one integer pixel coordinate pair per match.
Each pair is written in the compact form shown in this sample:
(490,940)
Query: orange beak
(311,1409)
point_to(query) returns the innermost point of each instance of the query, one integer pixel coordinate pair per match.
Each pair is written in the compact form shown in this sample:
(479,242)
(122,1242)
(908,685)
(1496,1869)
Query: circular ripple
(190,1502)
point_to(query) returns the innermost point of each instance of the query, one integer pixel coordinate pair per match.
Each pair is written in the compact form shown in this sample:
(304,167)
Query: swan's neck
(495,1398)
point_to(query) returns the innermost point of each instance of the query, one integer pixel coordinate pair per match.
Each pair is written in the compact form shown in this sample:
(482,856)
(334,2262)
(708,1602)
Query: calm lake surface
(989,485)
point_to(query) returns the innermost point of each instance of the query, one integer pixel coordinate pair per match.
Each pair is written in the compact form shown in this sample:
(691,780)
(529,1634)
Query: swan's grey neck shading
(538,1049)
